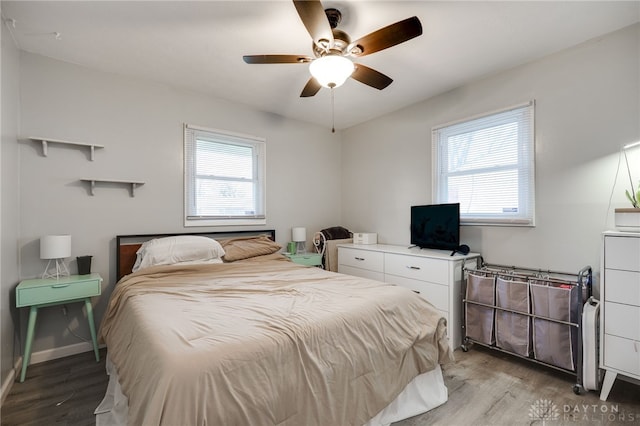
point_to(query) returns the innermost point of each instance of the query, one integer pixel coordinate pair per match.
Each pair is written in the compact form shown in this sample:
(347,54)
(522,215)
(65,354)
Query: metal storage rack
(520,311)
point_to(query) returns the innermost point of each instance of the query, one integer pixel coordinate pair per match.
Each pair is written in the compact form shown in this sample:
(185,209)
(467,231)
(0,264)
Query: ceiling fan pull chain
(333,113)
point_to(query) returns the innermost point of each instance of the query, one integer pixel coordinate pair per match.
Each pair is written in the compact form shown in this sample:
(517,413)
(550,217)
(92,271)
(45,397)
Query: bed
(240,335)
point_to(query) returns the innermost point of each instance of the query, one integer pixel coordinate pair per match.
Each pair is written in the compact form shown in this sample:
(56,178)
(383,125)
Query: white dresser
(620,310)
(434,274)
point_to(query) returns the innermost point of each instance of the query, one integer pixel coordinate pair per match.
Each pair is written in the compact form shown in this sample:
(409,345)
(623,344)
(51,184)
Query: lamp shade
(298,234)
(331,70)
(55,246)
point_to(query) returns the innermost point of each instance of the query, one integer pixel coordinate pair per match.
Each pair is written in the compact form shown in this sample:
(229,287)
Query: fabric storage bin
(513,330)
(554,342)
(479,320)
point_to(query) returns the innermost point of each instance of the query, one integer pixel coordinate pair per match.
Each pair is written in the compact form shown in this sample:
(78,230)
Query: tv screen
(436,226)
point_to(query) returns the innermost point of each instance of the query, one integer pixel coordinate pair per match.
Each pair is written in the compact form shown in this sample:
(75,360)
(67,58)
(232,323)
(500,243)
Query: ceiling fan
(333,49)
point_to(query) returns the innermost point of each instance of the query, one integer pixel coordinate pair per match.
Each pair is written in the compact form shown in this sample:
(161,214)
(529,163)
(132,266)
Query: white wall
(587,107)
(9,200)
(140,125)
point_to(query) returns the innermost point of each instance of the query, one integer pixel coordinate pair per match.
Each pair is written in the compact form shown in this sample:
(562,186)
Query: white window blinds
(224,178)
(487,165)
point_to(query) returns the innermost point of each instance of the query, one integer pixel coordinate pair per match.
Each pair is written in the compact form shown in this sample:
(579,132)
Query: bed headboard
(128,245)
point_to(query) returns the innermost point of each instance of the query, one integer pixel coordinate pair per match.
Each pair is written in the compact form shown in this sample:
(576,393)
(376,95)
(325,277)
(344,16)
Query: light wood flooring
(486,387)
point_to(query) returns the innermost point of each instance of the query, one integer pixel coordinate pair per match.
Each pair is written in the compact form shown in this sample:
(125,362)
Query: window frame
(258,146)
(525,165)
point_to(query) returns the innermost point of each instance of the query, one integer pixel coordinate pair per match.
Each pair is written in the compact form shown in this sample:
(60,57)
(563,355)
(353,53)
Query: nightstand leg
(33,314)
(92,327)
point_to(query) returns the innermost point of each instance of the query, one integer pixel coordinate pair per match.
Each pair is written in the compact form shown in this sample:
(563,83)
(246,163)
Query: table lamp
(55,248)
(299,236)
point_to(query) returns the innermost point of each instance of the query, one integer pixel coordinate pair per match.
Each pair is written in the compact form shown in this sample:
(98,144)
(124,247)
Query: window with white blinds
(224,178)
(487,165)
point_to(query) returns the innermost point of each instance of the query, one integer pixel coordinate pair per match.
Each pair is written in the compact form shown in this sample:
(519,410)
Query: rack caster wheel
(577,389)
(464,348)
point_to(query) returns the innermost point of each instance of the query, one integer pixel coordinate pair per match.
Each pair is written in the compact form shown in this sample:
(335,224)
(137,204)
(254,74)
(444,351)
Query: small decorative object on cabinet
(434,274)
(627,219)
(620,308)
(308,259)
(41,293)
(47,141)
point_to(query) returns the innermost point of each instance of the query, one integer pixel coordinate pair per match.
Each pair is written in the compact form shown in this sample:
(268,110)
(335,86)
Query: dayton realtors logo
(544,409)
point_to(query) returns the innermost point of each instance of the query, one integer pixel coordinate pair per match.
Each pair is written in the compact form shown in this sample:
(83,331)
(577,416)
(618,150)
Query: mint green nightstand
(40,293)
(308,259)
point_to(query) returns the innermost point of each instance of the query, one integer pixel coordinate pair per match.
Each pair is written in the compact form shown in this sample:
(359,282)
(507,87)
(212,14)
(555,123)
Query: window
(487,165)
(224,178)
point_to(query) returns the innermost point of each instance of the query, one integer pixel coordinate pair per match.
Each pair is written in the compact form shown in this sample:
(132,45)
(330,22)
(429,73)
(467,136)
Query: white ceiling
(199,45)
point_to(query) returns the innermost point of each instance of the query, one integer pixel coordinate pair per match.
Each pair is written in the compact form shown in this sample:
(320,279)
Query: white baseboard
(55,353)
(9,380)
(42,356)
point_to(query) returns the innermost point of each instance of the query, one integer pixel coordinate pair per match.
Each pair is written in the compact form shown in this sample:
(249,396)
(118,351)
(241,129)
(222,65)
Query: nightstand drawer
(37,292)
(308,259)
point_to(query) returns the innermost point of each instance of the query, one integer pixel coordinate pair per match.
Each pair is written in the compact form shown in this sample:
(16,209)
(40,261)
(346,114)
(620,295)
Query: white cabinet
(434,274)
(620,320)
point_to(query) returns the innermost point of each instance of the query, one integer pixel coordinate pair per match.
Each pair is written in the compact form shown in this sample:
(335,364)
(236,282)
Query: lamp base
(301,247)
(59,269)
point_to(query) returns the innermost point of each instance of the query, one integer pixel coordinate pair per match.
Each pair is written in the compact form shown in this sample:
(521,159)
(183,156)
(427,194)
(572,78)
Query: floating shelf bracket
(47,141)
(92,183)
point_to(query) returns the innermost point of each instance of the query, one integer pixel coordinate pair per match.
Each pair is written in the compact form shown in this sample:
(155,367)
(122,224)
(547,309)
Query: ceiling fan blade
(311,88)
(276,59)
(386,37)
(315,20)
(371,77)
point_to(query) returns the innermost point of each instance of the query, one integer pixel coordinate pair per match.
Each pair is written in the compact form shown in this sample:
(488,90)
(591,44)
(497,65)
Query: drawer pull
(417,268)
(636,346)
(59,285)
(416,291)
(359,258)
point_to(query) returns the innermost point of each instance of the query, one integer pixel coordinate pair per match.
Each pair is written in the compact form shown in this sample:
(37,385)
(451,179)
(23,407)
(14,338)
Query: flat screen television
(436,226)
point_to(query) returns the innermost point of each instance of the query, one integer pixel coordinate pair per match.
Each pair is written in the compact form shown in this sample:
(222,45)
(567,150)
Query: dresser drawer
(436,294)
(622,320)
(622,253)
(364,273)
(622,286)
(56,291)
(363,259)
(417,268)
(622,354)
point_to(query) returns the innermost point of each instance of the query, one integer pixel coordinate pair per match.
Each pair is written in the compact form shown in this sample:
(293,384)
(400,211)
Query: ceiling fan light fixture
(331,70)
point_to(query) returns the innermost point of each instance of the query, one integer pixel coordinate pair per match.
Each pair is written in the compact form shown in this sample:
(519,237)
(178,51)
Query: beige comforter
(265,342)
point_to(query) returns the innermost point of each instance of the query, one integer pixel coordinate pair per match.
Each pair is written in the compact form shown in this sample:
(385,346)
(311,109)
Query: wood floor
(485,388)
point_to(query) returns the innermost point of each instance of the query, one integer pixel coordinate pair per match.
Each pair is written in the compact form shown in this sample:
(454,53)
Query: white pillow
(177,249)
